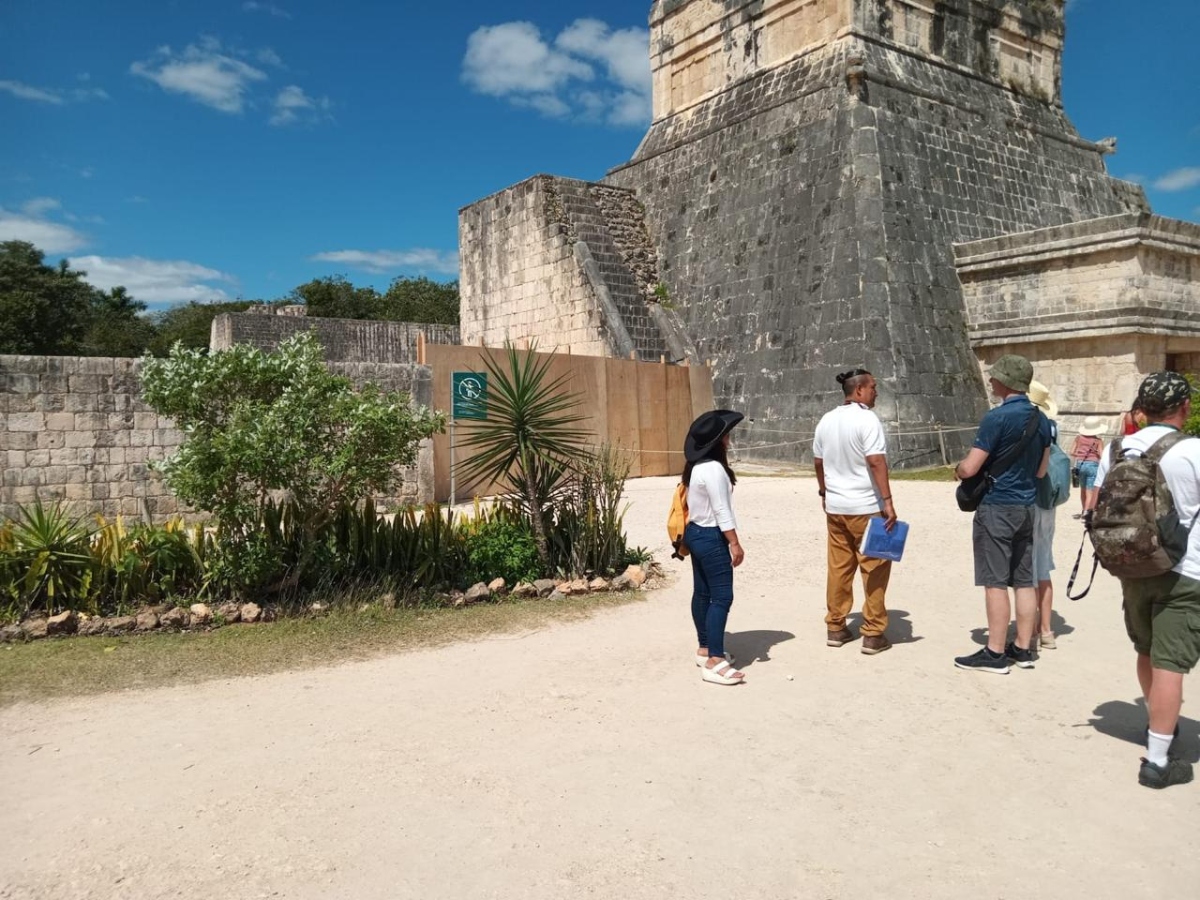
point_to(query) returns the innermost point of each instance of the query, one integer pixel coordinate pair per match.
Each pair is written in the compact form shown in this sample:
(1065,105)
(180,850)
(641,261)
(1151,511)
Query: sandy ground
(590,760)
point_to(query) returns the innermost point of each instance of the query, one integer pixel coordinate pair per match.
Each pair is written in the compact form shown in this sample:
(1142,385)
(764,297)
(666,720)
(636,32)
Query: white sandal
(722,673)
(701,659)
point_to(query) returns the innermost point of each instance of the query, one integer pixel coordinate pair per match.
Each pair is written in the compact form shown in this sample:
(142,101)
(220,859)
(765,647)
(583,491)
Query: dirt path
(589,760)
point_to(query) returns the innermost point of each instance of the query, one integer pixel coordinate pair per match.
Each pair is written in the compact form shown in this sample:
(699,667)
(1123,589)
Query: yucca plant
(52,553)
(530,441)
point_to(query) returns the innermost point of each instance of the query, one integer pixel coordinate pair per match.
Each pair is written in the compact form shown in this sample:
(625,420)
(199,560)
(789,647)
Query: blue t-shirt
(1000,430)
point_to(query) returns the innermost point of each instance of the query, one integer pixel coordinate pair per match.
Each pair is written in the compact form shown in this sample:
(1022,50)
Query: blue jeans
(712,585)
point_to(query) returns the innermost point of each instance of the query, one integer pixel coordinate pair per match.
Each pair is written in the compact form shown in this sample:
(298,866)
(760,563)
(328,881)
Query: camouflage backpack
(1135,527)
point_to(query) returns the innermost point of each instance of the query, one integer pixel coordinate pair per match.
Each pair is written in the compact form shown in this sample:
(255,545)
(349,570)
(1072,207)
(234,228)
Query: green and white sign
(468,394)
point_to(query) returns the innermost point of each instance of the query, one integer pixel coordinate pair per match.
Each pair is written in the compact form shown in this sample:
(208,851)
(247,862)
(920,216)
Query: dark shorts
(1002,537)
(1162,618)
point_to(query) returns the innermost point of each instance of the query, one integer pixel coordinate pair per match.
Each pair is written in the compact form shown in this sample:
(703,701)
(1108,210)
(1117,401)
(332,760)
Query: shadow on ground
(1126,721)
(899,630)
(1057,622)
(749,647)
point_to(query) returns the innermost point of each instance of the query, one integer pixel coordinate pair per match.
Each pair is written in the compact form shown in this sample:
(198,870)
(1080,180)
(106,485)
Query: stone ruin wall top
(700,47)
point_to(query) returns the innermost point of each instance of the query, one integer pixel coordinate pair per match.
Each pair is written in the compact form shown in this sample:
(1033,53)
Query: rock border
(201,617)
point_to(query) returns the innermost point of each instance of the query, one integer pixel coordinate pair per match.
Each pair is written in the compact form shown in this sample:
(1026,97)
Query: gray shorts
(1043,543)
(1002,537)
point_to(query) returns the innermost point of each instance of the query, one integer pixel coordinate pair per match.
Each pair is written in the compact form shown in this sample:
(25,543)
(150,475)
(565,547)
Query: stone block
(26,422)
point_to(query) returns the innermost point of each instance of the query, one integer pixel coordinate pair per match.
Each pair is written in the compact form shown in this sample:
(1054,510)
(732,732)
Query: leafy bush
(257,423)
(1192,425)
(145,564)
(502,545)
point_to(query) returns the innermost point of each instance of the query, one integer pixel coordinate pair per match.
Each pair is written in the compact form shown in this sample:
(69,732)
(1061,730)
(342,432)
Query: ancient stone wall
(804,215)
(76,429)
(567,264)
(345,340)
(1095,305)
(1104,276)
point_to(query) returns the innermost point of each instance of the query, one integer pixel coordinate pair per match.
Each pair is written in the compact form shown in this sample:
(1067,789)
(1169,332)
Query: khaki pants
(845,537)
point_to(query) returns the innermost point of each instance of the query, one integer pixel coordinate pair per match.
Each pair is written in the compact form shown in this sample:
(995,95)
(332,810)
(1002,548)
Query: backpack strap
(1004,463)
(1075,572)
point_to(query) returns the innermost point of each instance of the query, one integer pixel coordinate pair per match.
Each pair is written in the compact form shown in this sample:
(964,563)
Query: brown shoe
(839,637)
(875,643)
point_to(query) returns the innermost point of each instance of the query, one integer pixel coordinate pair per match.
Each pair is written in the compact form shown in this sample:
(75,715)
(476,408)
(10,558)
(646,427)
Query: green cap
(1012,371)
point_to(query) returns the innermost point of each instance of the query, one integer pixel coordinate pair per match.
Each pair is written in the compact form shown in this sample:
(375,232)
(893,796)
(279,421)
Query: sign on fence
(468,395)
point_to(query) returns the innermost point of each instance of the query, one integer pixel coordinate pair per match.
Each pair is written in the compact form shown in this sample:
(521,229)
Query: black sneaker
(984,661)
(1023,658)
(1176,771)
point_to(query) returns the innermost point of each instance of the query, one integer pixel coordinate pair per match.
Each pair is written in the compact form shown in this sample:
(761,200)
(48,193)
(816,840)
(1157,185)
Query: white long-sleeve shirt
(710,496)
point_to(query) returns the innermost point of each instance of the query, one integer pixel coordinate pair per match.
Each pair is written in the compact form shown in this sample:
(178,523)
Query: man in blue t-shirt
(1002,534)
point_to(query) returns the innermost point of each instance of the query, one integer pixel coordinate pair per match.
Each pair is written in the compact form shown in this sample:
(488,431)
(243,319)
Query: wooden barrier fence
(642,408)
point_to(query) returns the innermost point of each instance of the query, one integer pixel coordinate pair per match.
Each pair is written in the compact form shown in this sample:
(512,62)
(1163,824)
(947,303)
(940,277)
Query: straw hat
(1039,396)
(1092,426)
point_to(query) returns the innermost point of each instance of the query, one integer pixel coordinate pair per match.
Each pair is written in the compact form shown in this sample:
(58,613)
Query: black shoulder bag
(971,491)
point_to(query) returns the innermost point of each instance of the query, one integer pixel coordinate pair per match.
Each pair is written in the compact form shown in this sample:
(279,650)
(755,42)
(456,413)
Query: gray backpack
(1135,527)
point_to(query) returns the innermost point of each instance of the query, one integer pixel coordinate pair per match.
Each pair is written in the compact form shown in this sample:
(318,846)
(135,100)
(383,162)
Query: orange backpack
(677,520)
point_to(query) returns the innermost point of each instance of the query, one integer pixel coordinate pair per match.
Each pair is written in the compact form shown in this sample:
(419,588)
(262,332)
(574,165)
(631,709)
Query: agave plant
(530,441)
(52,552)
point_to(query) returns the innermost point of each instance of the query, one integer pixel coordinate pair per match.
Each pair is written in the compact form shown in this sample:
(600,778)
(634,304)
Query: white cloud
(47,236)
(156,282)
(269,8)
(559,79)
(203,72)
(29,92)
(293,106)
(384,262)
(269,57)
(52,95)
(39,206)
(1179,180)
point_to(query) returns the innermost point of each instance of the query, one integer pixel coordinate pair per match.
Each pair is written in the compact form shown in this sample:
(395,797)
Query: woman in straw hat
(1086,453)
(711,536)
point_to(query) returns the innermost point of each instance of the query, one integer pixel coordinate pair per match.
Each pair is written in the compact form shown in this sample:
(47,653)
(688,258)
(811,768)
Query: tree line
(52,311)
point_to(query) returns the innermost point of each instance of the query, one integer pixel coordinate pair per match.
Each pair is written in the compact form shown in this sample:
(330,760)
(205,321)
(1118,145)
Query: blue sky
(238,148)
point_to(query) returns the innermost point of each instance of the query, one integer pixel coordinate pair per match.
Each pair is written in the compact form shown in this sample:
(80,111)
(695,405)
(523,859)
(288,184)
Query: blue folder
(883,544)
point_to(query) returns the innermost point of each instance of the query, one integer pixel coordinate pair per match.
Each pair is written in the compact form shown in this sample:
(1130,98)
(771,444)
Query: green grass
(91,665)
(938,473)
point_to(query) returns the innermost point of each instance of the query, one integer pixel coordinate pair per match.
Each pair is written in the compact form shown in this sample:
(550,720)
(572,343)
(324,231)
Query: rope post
(633,354)
(942,443)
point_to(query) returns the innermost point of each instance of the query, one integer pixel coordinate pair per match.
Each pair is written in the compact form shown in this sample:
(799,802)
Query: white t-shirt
(710,496)
(1181,469)
(845,437)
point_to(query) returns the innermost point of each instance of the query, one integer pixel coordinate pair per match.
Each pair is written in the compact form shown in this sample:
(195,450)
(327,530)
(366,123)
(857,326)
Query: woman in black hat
(711,537)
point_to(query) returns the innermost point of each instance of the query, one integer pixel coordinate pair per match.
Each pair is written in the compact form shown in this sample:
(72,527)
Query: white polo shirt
(845,437)
(1181,469)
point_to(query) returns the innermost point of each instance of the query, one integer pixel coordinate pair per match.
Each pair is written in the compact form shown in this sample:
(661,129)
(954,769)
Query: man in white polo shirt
(850,454)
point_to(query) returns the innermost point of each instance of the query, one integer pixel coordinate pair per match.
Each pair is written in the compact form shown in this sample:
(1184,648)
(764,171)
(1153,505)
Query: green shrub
(144,564)
(501,545)
(258,423)
(588,537)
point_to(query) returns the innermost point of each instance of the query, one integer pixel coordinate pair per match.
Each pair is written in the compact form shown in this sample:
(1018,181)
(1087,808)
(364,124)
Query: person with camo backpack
(1162,611)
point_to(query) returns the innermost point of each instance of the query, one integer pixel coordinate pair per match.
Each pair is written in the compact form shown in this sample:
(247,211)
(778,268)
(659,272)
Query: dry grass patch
(91,665)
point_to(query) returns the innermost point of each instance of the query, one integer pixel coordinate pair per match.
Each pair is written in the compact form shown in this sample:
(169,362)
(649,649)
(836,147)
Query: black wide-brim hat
(708,428)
